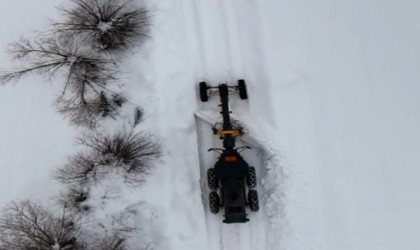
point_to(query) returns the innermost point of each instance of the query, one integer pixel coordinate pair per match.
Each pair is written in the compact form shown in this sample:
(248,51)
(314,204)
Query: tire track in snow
(209,25)
(253,235)
(206,70)
(233,46)
(211,30)
(233,236)
(245,32)
(246,40)
(200,47)
(173,121)
(213,222)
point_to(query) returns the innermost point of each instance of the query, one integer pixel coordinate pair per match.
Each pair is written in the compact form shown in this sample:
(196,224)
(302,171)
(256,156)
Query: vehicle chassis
(232,181)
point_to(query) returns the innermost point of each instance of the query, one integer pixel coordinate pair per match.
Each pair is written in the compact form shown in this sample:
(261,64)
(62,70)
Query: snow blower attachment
(231,180)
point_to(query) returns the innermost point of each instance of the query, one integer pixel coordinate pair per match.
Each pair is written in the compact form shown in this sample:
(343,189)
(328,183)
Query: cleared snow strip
(224,46)
(213,224)
(245,38)
(221,236)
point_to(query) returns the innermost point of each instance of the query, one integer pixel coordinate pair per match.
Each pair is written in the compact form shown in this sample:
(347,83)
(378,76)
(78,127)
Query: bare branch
(48,55)
(80,169)
(85,95)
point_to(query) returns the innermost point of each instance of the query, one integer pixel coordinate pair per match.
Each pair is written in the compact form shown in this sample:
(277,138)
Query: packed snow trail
(195,41)
(221,46)
(215,57)
(227,47)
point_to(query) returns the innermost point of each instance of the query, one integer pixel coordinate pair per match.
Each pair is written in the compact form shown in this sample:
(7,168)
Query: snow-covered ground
(34,138)
(332,111)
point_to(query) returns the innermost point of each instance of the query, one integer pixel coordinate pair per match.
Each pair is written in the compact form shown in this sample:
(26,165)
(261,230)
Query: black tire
(254,204)
(243,94)
(214,202)
(212,180)
(204,97)
(251,179)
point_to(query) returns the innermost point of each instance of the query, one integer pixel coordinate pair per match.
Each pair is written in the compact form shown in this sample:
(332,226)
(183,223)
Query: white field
(332,115)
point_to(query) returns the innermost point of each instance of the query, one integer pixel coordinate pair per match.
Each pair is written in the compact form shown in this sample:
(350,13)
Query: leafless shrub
(88,111)
(108,24)
(79,169)
(26,225)
(130,153)
(74,200)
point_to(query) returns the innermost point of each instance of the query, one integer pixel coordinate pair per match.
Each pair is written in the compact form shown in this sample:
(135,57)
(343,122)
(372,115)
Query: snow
(332,116)
(34,138)
(105,26)
(71,60)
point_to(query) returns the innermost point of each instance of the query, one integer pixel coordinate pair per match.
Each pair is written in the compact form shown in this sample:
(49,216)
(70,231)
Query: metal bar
(224,98)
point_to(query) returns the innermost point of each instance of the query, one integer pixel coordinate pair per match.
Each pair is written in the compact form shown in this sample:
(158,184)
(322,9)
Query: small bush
(131,154)
(74,200)
(87,112)
(133,151)
(107,24)
(80,169)
(26,225)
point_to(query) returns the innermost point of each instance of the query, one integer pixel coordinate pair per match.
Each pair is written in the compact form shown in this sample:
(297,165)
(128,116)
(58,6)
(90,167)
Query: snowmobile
(232,180)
